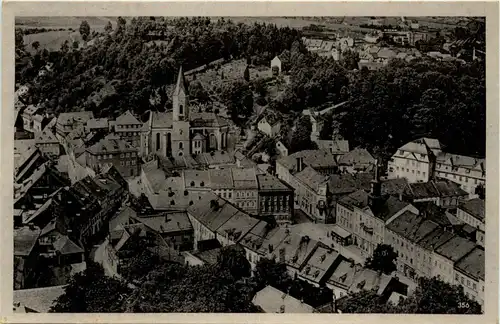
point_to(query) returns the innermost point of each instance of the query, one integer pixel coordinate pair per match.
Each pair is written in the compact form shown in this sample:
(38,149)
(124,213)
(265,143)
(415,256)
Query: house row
(251,190)
(317,175)
(424,159)
(430,240)
(214,218)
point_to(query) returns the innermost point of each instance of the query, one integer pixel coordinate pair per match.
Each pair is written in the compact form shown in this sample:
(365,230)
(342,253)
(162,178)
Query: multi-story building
(311,189)
(423,159)
(246,189)
(322,161)
(366,215)
(28,117)
(174,227)
(415,160)
(425,249)
(275,199)
(467,171)
(403,234)
(472,212)
(84,209)
(469,273)
(68,122)
(443,193)
(215,218)
(47,142)
(357,160)
(116,152)
(449,253)
(128,128)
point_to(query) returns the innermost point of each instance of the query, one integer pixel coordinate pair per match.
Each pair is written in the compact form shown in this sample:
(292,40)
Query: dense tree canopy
(92,292)
(383,259)
(404,101)
(136,67)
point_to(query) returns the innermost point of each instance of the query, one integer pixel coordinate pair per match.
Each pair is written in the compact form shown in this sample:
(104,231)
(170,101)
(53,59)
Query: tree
(92,292)
(181,288)
(246,74)
(84,30)
(301,136)
(75,45)
(19,38)
(35,45)
(383,259)
(108,28)
(434,296)
(120,25)
(234,259)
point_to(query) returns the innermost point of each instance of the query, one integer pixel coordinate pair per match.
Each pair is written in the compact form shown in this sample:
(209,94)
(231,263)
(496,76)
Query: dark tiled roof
(456,248)
(411,226)
(475,207)
(473,264)
(268,182)
(111,145)
(433,212)
(355,157)
(127,119)
(347,183)
(435,239)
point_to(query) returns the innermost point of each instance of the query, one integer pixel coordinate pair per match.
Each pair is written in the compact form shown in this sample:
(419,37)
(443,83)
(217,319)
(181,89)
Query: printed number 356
(463,305)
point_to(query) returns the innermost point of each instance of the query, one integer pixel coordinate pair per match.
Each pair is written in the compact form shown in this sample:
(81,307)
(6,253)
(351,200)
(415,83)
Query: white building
(415,160)
(276,62)
(467,171)
(269,126)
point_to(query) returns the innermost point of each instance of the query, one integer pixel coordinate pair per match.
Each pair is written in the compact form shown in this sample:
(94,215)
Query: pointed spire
(181,83)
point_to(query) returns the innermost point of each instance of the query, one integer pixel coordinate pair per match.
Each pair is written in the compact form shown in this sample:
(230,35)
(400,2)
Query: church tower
(180,123)
(180,99)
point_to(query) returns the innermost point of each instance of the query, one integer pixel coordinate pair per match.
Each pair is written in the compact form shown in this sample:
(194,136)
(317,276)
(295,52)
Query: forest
(386,108)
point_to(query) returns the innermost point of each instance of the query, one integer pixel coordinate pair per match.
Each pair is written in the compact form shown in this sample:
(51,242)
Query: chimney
(376,186)
(300,162)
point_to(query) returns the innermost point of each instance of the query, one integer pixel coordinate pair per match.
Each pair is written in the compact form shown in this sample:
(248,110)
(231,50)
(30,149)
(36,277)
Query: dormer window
(401,152)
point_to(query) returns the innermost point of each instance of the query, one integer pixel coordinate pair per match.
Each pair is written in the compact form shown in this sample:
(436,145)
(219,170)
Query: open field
(52,40)
(96,23)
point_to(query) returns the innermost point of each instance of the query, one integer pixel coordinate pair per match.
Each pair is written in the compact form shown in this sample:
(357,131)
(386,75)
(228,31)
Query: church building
(183,130)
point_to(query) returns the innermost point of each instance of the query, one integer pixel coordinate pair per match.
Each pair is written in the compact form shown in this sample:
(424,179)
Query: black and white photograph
(250,164)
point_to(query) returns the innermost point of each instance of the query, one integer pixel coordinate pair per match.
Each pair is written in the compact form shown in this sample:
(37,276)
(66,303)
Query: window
(468,283)
(98,157)
(122,155)
(133,162)
(456,277)
(474,286)
(127,154)
(181,110)
(462,280)
(180,146)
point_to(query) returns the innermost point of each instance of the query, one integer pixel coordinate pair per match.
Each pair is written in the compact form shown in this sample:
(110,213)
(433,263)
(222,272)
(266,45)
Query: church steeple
(180,99)
(181,83)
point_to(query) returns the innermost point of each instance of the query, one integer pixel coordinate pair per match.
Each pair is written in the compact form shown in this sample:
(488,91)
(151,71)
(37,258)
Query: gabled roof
(161,119)
(66,246)
(127,119)
(111,145)
(346,183)
(356,156)
(268,182)
(45,137)
(208,119)
(312,178)
(412,226)
(72,117)
(312,158)
(272,300)
(38,299)
(461,161)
